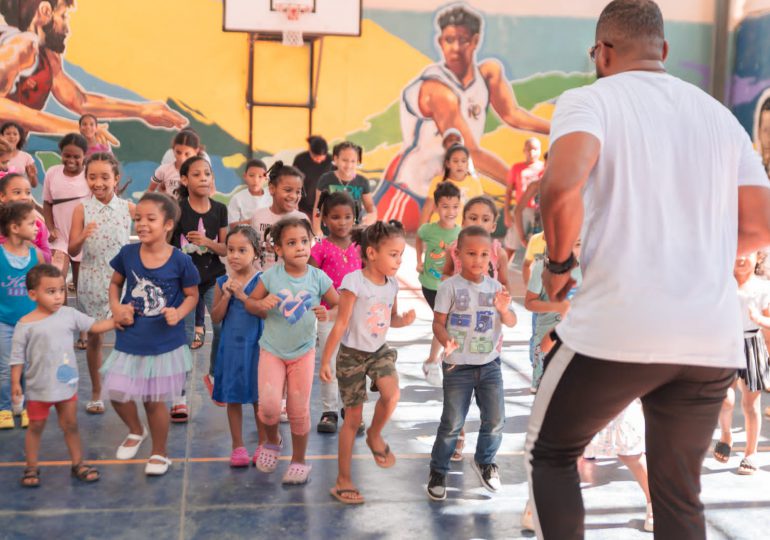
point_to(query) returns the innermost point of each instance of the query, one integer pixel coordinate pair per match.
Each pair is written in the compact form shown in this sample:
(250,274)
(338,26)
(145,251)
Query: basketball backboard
(322,17)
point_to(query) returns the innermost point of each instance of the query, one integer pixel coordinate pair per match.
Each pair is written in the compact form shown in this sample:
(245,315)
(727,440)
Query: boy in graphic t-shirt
(470,310)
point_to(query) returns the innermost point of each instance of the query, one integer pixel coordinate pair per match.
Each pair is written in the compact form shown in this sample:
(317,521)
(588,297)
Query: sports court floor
(202,497)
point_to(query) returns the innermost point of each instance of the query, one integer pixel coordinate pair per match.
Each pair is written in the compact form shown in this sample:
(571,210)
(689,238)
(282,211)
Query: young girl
(167,177)
(754,294)
(368,307)
(16,188)
(90,129)
(288,297)
(483,212)
(17,224)
(337,255)
(235,373)
(243,205)
(285,186)
(21,161)
(64,188)
(201,234)
(100,227)
(151,358)
(346,156)
(455,171)
(6,152)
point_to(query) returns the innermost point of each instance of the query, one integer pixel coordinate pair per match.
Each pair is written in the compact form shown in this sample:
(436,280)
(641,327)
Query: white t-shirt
(370,319)
(243,205)
(660,230)
(754,293)
(261,221)
(167,176)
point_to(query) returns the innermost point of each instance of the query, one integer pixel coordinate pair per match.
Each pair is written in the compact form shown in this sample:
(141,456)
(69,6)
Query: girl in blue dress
(235,372)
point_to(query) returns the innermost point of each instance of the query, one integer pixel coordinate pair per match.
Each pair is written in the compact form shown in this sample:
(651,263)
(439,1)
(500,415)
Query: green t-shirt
(436,240)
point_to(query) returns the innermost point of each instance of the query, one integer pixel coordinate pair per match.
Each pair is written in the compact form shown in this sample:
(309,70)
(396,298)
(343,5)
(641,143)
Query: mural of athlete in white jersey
(455,93)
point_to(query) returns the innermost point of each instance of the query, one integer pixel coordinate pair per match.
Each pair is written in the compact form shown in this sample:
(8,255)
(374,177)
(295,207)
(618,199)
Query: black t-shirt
(209,265)
(356,188)
(313,171)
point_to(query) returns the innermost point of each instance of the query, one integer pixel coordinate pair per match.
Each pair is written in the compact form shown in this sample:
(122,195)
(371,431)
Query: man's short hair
(460,15)
(631,20)
(19,13)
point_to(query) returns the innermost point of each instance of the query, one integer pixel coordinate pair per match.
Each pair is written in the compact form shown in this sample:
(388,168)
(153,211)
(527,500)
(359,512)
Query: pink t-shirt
(19,162)
(41,240)
(99,147)
(493,257)
(57,186)
(336,262)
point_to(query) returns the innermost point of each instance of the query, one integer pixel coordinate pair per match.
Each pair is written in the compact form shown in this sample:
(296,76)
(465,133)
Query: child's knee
(269,411)
(69,426)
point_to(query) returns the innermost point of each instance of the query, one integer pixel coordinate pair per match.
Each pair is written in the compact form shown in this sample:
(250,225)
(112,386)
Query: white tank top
(423,153)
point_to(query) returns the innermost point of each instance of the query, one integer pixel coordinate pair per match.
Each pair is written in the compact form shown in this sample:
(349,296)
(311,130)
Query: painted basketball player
(455,93)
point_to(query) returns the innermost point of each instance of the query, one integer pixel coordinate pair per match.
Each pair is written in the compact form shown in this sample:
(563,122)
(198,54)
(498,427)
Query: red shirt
(522,175)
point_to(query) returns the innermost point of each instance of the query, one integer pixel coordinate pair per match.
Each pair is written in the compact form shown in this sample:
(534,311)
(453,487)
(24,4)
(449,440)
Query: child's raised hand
(326,373)
(270,301)
(502,300)
(320,313)
(197,238)
(172,316)
(30,170)
(408,317)
(450,347)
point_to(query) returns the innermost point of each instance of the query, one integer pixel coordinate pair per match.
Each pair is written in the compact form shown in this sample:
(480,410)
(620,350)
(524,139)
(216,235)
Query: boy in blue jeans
(470,310)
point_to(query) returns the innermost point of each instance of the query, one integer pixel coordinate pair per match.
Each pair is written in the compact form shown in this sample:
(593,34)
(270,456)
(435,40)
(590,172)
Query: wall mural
(147,68)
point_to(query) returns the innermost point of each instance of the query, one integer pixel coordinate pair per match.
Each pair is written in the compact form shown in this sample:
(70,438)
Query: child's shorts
(39,410)
(353,366)
(430,297)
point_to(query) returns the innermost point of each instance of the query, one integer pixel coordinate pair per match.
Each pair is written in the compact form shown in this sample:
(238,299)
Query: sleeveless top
(14,302)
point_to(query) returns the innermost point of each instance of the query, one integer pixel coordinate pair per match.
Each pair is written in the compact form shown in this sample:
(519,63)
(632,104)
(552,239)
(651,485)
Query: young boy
(243,204)
(470,308)
(42,349)
(435,238)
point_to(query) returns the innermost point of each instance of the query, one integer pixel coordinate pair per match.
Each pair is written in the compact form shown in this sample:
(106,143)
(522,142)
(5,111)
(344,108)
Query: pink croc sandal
(297,474)
(239,457)
(268,458)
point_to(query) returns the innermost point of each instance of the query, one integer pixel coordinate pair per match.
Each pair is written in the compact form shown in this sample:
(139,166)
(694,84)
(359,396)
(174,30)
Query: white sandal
(157,469)
(268,458)
(129,452)
(297,474)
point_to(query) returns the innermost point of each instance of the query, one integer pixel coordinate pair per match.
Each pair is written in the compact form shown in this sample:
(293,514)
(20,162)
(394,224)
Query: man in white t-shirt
(657,315)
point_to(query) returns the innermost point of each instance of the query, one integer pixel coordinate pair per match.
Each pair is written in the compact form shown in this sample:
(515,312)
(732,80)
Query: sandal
(208,382)
(297,474)
(385,459)
(268,458)
(339,494)
(157,469)
(180,413)
(722,452)
(747,467)
(239,457)
(95,407)
(85,473)
(457,455)
(198,341)
(31,478)
(81,344)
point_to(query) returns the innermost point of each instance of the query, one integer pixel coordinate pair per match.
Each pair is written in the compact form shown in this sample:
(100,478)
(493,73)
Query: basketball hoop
(292,11)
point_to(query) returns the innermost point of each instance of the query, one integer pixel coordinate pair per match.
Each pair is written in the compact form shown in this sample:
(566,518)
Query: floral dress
(113,222)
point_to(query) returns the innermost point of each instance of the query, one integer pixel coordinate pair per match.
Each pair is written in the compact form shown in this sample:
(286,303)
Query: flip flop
(338,494)
(198,340)
(179,413)
(387,457)
(722,452)
(95,406)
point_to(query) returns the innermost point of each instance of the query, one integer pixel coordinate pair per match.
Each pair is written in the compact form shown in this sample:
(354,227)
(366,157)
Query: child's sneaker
(24,418)
(432,373)
(437,486)
(328,423)
(488,474)
(6,420)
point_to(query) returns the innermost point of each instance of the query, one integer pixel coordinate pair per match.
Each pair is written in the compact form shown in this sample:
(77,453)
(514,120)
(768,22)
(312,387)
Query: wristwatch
(560,267)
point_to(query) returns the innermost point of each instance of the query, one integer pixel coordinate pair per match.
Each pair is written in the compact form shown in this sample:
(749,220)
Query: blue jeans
(460,383)
(189,326)
(6,337)
(532,343)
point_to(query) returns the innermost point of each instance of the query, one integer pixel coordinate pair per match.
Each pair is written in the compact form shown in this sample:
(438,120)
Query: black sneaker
(328,423)
(489,476)
(437,486)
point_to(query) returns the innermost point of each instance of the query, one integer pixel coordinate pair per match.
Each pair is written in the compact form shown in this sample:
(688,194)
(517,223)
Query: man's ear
(665,50)
(44,12)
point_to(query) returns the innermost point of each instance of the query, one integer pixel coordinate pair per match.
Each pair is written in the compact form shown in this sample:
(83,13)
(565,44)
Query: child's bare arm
(503,306)
(16,371)
(399,320)
(418,247)
(221,302)
(100,327)
(502,268)
(344,312)
(449,267)
(260,302)
(534,304)
(331,296)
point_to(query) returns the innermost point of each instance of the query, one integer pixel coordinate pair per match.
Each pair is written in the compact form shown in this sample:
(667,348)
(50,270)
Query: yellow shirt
(469,187)
(535,247)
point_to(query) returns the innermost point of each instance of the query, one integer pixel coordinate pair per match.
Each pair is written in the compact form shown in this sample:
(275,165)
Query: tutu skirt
(147,378)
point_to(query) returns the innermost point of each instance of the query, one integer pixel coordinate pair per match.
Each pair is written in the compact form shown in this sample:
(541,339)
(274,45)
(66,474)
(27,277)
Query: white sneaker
(432,372)
(284,414)
(157,469)
(129,452)
(527,520)
(649,521)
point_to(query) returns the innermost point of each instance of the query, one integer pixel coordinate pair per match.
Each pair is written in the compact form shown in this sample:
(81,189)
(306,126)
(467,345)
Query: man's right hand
(159,114)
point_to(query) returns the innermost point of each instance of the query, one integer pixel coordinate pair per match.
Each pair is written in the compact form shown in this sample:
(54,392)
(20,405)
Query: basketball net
(292,33)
